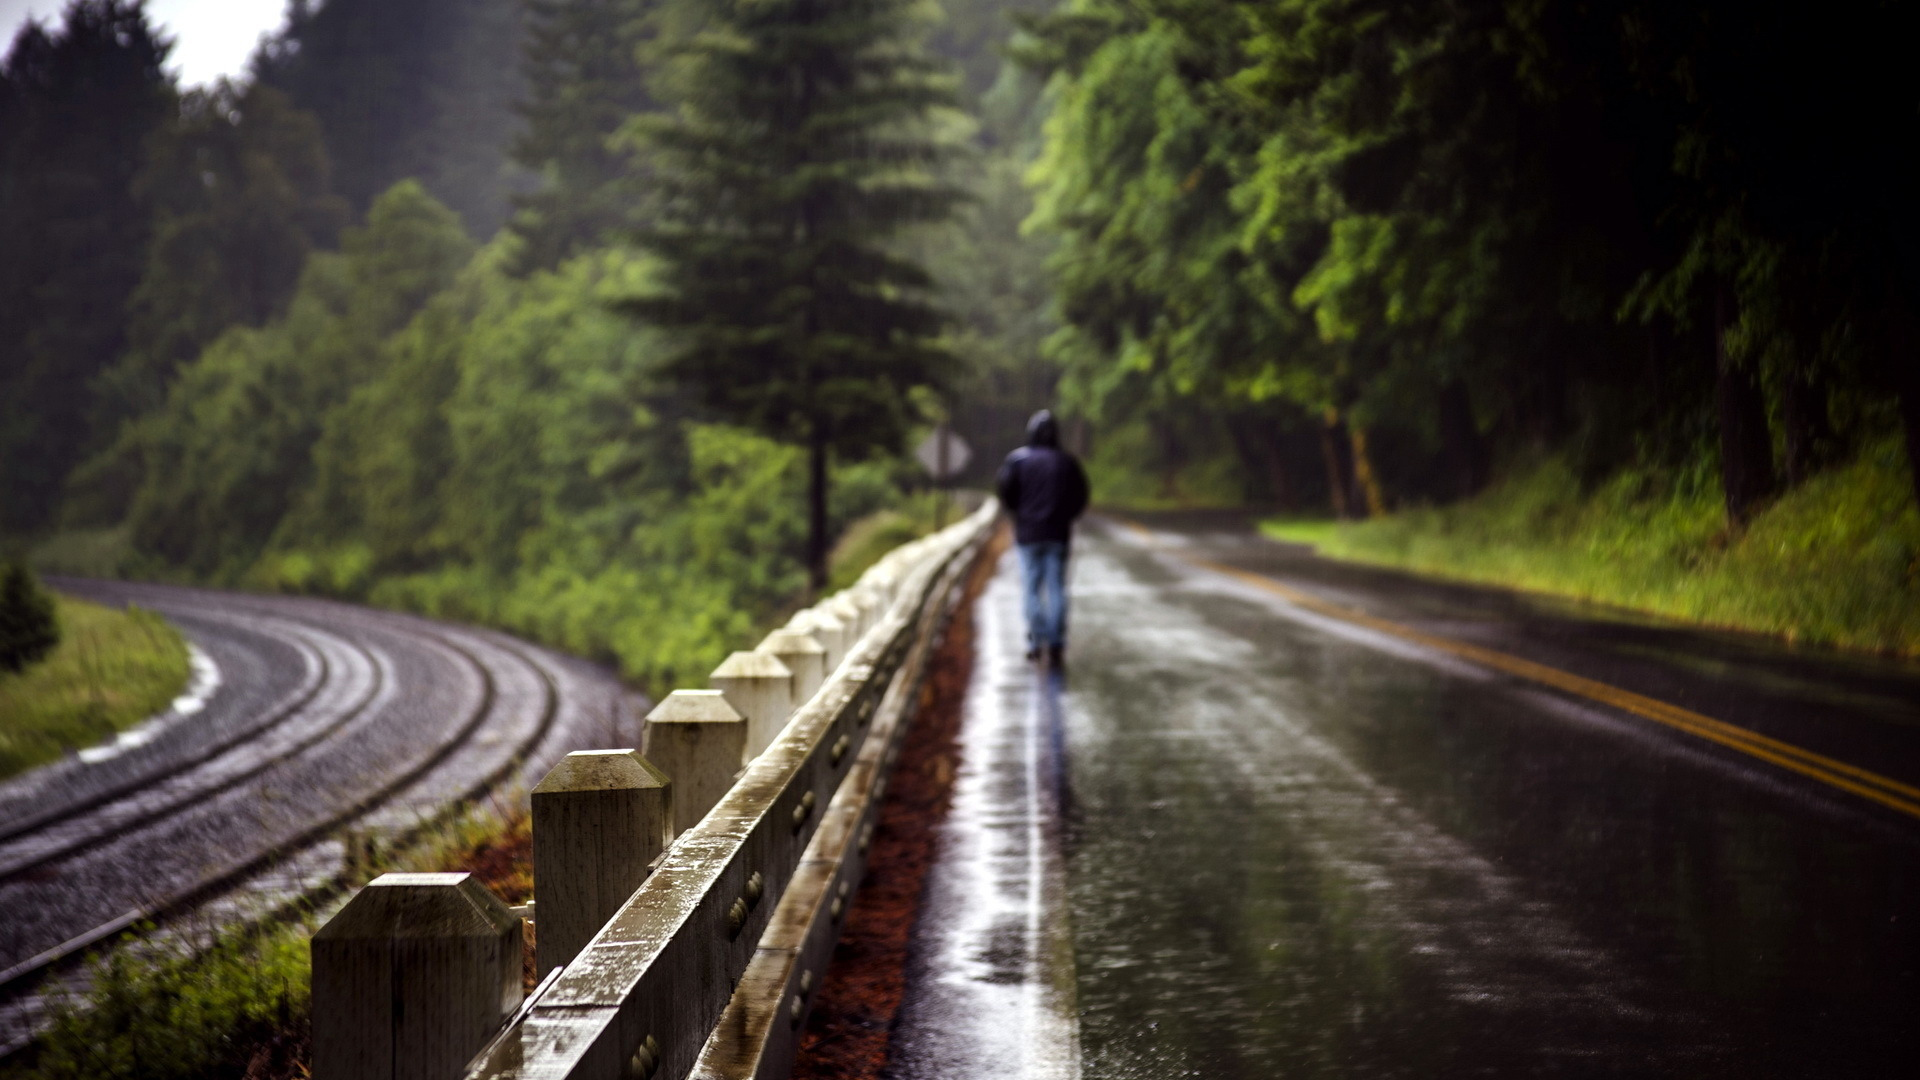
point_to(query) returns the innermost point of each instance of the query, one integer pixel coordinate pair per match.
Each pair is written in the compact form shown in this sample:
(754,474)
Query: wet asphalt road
(325,716)
(1290,845)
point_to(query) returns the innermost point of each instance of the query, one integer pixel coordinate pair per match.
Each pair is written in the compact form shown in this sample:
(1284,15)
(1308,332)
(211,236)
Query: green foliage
(110,671)
(223,459)
(1605,228)
(159,1011)
(239,185)
(77,105)
(28,628)
(801,147)
(1835,561)
(867,540)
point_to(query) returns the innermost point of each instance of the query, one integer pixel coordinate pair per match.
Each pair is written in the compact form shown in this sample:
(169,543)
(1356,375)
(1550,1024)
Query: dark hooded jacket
(1042,487)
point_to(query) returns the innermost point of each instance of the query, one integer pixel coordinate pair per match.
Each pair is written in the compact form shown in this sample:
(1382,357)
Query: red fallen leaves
(847,1033)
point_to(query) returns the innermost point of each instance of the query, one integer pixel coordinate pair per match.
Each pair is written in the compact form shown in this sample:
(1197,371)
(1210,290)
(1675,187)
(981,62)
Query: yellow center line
(1850,778)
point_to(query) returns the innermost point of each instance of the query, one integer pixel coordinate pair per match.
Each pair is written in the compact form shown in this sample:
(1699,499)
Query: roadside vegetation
(111,670)
(238,1008)
(1834,561)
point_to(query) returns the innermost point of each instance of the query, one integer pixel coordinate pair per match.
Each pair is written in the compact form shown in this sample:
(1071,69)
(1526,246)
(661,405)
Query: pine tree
(28,628)
(77,106)
(420,89)
(587,76)
(802,146)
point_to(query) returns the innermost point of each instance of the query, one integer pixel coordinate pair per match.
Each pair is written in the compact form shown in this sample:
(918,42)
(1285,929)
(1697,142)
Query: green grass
(160,1012)
(867,540)
(1835,561)
(111,670)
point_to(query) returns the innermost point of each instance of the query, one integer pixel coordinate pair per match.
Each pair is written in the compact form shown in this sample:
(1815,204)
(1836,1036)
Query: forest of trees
(414,313)
(1631,231)
(548,313)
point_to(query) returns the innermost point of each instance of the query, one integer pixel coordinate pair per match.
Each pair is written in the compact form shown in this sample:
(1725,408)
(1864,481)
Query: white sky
(211,38)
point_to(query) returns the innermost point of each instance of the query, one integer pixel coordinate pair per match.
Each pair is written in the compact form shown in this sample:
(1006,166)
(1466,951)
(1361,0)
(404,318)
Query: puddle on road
(992,974)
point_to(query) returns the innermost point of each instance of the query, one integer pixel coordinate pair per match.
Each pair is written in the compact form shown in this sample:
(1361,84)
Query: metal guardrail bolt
(840,746)
(645,1060)
(866,838)
(744,904)
(797,1007)
(839,906)
(803,810)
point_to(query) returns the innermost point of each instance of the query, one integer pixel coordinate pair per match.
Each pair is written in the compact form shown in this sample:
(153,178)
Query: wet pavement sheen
(1292,846)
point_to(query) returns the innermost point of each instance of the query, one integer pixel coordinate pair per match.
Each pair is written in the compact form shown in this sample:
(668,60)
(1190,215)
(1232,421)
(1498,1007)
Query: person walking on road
(1043,489)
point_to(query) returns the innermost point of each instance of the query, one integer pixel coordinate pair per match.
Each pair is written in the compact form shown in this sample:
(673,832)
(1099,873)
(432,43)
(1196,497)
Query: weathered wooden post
(412,977)
(871,606)
(843,608)
(801,655)
(759,688)
(698,740)
(599,818)
(819,624)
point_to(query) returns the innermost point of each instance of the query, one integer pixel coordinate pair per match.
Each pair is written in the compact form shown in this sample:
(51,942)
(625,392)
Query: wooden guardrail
(685,910)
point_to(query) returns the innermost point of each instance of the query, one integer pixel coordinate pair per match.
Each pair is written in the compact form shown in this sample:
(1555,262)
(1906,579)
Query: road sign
(943,454)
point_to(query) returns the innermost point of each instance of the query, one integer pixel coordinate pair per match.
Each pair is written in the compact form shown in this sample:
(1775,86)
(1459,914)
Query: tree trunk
(1746,449)
(1366,482)
(1277,475)
(1338,450)
(1460,442)
(1170,455)
(817,517)
(1803,413)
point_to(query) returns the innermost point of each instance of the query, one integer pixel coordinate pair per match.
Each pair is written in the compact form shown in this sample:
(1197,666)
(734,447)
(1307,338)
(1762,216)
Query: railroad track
(329,717)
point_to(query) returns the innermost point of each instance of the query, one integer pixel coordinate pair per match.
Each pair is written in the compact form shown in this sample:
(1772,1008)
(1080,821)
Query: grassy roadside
(111,670)
(1836,561)
(239,1009)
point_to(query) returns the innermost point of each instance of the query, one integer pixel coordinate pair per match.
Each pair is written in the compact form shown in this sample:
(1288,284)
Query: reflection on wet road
(1296,846)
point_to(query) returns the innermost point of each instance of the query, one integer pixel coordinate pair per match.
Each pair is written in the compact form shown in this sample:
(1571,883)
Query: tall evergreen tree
(587,69)
(76,108)
(801,148)
(420,89)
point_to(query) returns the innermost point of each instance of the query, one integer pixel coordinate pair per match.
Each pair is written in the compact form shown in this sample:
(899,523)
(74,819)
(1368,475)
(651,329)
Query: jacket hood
(1043,430)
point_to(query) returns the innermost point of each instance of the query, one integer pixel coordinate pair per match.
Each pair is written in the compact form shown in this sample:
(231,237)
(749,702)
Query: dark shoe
(1057,656)
(1033,654)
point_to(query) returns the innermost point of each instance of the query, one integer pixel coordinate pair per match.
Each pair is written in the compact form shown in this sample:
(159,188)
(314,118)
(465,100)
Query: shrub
(28,629)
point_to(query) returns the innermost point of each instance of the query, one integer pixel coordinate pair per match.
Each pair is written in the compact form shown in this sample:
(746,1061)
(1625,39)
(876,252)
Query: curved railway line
(329,717)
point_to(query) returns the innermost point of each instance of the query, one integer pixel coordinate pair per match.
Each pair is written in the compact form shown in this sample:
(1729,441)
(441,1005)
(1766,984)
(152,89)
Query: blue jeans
(1043,573)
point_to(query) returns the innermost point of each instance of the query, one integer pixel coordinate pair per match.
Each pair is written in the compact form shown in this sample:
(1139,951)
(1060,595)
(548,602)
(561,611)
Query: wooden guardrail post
(820,624)
(848,612)
(803,656)
(412,977)
(698,740)
(759,688)
(599,818)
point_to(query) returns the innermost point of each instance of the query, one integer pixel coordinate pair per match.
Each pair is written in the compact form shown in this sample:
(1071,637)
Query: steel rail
(301,697)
